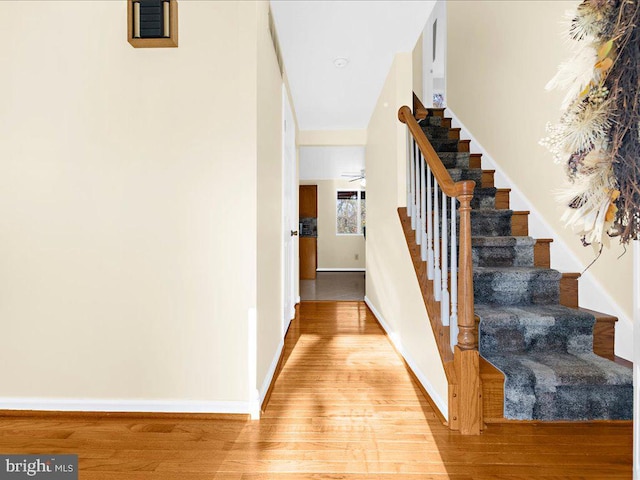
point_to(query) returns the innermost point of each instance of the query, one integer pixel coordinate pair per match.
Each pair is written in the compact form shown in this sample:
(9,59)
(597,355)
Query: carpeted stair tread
(527,328)
(484,198)
(455,159)
(562,386)
(444,145)
(431,120)
(507,241)
(551,372)
(519,285)
(502,251)
(458,174)
(435,132)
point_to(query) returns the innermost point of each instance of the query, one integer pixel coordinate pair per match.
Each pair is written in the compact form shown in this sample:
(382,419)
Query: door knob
(294,233)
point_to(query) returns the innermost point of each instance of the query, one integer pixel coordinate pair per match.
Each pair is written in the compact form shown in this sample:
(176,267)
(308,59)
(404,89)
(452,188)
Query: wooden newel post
(467,337)
(466,357)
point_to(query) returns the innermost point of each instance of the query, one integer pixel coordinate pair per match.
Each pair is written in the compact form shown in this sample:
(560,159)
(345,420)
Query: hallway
(342,407)
(337,286)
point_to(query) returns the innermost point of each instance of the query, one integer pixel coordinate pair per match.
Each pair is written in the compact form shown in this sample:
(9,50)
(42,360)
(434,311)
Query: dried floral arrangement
(598,134)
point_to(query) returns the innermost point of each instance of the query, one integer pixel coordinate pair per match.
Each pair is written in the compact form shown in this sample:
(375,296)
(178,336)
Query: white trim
(134,406)
(422,378)
(592,293)
(271,372)
(252,362)
(340,269)
(636,360)
(297,302)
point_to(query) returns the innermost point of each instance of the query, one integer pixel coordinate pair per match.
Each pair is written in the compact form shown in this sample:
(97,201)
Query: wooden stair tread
(575,275)
(489,372)
(602,317)
(623,362)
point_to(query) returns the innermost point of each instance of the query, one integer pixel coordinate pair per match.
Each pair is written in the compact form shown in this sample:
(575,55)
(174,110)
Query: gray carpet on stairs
(544,349)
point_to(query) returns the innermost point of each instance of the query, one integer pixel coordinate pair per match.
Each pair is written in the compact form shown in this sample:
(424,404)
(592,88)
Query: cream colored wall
(335,251)
(497,67)
(392,288)
(127,203)
(270,221)
(417,68)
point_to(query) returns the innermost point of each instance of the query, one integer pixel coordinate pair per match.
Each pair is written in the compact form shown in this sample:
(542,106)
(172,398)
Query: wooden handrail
(465,391)
(450,188)
(463,191)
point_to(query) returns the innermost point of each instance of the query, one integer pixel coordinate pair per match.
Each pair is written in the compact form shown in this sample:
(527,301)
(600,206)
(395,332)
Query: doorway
(434,39)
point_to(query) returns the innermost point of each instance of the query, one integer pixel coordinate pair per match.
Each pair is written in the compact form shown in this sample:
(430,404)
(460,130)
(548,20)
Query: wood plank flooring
(343,407)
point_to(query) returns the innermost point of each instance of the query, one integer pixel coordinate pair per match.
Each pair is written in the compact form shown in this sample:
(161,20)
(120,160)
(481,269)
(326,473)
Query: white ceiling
(327,163)
(369,33)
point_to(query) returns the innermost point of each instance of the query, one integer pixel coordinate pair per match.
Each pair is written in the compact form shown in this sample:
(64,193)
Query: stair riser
(483,201)
(490,225)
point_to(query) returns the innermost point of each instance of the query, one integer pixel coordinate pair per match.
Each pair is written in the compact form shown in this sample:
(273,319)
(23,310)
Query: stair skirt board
(544,349)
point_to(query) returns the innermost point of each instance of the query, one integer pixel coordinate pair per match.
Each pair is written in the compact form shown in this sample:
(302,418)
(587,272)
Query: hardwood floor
(343,407)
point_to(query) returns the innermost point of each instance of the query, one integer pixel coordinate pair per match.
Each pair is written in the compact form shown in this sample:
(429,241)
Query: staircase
(541,357)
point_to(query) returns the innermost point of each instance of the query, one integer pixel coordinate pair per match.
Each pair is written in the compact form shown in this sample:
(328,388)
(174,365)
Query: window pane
(347,213)
(348,221)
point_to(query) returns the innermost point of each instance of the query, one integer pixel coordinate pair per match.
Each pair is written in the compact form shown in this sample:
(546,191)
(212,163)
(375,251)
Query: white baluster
(408,179)
(423,209)
(453,323)
(437,279)
(430,181)
(412,208)
(444,299)
(417,156)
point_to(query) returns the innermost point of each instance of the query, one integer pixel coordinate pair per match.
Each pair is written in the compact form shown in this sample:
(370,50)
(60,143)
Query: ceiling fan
(354,176)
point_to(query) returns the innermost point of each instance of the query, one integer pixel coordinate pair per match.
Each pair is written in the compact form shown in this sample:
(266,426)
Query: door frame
(289,213)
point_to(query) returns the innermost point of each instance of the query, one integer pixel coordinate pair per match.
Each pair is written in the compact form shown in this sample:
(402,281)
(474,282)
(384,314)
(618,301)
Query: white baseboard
(271,372)
(134,406)
(340,269)
(592,295)
(422,378)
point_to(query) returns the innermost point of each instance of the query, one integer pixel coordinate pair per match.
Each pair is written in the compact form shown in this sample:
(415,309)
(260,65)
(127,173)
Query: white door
(290,211)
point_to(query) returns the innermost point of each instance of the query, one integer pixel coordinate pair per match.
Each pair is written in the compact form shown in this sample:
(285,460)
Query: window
(350,212)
